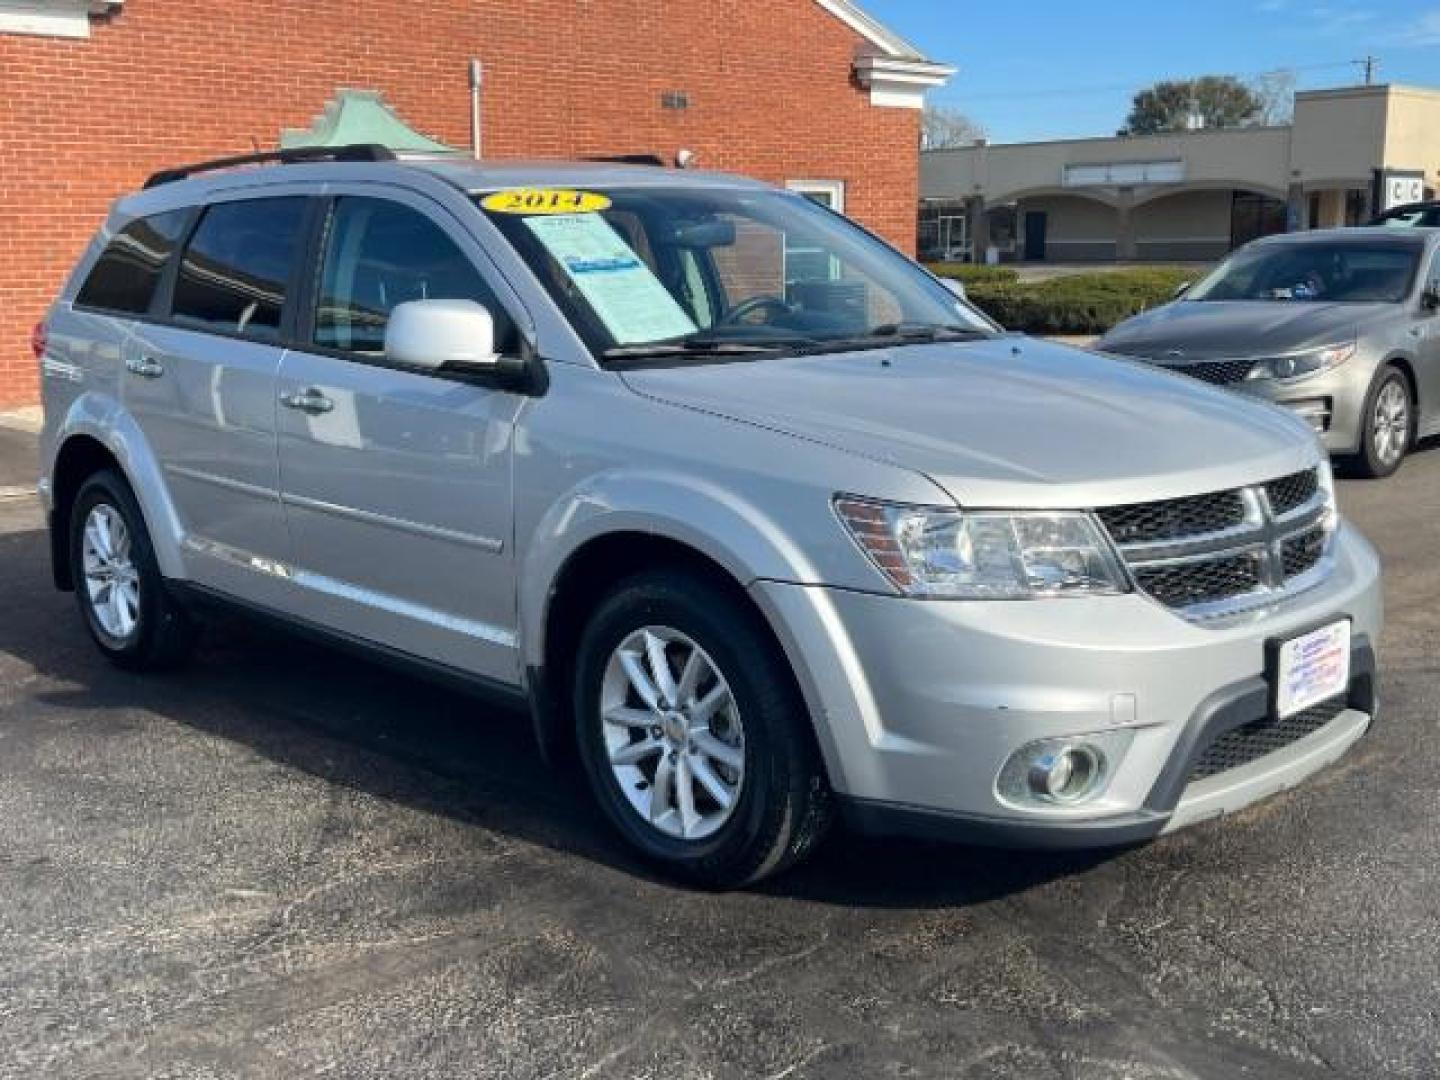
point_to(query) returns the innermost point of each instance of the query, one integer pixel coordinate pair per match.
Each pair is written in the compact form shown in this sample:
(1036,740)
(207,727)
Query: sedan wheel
(1390,424)
(673,733)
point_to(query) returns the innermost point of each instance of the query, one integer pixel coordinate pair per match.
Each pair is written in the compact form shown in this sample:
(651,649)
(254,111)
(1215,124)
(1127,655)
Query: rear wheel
(692,735)
(122,596)
(1389,428)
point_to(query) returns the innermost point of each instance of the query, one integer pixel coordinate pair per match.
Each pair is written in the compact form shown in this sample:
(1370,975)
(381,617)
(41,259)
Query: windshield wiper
(671,349)
(923,331)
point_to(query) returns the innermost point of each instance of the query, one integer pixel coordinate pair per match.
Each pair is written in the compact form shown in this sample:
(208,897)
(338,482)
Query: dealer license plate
(1312,668)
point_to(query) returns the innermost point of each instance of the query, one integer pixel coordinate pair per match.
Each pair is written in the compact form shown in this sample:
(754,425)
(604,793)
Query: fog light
(1067,775)
(1062,772)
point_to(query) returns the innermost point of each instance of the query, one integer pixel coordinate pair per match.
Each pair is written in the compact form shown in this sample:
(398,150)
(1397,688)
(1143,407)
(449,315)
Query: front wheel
(692,734)
(1389,424)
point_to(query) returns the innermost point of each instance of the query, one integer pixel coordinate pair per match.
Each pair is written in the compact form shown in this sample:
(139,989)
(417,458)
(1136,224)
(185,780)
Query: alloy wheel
(112,580)
(1390,423)
(672,733)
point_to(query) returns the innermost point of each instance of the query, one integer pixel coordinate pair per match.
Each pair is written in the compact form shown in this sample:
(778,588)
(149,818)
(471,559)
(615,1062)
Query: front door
(201,384)
(1036,224)
(397,483)
(1427,374)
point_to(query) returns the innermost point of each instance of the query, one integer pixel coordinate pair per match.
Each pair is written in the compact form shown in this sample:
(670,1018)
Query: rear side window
(236,270)
(378,254)
(128,271)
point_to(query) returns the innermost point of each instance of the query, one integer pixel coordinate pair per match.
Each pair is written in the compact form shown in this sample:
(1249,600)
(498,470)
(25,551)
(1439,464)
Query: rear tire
(129,613)
(706,764)
(1388,430)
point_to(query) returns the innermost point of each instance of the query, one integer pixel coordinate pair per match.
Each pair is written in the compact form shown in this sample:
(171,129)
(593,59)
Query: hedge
(974,273)
(1087,303)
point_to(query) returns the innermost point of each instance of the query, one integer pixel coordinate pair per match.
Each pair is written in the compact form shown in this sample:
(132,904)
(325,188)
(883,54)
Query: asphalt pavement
(284,862)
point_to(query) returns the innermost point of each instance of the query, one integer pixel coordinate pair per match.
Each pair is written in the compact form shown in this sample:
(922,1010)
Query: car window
(236,269)
(663,266)
(379,254)
(1312,271)
(128,272)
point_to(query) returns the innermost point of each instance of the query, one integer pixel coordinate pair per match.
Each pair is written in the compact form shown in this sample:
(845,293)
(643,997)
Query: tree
(945,128)
(1211,101)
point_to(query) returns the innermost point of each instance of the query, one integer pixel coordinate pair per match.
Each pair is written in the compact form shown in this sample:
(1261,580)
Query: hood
(1006,422)
(1207,330)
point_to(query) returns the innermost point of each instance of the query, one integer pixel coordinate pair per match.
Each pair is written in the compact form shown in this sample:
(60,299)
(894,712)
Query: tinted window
(379,254)
(128,271)
(235,271)
(1346,271)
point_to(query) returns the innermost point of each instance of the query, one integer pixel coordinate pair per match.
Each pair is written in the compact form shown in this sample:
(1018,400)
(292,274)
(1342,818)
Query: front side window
(236,271)
(1342,272)
(698,270)
(378,254)
(128,271)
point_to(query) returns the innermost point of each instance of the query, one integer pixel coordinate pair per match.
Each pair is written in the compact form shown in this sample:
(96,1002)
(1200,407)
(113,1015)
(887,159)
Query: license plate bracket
(1309,668)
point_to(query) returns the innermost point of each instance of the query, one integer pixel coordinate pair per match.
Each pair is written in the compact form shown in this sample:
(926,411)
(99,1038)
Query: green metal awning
(361,116)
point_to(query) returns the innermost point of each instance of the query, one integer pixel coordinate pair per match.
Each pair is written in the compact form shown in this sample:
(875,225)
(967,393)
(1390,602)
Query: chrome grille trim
(1271,540)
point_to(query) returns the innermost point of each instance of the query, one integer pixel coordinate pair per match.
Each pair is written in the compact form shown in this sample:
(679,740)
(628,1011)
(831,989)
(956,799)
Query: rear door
(201,381)
(397,483)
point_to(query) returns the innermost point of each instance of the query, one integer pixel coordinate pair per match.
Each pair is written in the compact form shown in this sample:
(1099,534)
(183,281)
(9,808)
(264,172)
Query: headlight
(1298,365)
(938,553)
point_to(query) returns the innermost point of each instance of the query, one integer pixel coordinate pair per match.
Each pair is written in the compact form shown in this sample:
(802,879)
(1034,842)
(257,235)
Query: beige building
(1193,195)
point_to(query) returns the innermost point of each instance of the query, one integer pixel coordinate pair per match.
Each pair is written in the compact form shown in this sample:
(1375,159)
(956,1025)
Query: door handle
(147,367)
(310,401)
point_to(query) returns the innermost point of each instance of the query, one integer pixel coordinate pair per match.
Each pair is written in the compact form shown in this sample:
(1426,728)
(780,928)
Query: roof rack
(653,160)
(295,155)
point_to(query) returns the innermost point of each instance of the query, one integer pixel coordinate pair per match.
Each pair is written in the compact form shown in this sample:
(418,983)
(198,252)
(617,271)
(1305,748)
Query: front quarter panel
(593,458)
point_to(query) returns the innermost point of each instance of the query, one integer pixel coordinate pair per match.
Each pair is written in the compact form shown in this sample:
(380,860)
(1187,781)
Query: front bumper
(1332,403)
(918,705)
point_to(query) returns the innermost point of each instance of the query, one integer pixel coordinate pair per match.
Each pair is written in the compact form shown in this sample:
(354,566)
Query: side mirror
(956,287)
(1181,289)
(447,335)
(1430,298)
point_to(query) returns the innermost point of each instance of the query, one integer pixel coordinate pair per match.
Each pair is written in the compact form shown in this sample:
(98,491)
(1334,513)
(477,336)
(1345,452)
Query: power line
(1110,88)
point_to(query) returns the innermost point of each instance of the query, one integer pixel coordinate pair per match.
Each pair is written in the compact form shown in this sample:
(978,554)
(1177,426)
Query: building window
(52,18)
(828,193)
(808,264)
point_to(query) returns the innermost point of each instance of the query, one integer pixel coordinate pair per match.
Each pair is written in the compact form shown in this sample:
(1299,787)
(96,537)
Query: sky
(1062,69)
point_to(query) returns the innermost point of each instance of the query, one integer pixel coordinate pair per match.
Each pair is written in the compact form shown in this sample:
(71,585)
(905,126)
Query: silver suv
(761,520)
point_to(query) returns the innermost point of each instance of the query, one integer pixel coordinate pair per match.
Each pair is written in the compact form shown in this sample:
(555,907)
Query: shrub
(1088,303)
(974,273)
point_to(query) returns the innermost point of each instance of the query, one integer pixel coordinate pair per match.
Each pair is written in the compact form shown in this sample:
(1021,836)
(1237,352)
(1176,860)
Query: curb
(9,494)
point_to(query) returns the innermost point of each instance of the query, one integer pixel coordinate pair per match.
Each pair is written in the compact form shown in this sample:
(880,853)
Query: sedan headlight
(1298,365)
(939,553)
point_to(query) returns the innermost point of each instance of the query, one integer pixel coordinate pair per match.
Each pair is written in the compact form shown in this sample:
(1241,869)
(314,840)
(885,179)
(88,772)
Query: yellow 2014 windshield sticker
(530,201)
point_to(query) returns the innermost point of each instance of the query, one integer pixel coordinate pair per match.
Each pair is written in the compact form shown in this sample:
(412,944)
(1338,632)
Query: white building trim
(888,42)
(53,18)
(900,84)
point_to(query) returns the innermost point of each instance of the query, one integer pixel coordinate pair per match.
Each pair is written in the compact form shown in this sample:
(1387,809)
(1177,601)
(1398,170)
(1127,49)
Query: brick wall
(769,84)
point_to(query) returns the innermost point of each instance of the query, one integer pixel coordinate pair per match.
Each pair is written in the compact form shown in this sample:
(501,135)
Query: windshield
(1340,272)
(695,272)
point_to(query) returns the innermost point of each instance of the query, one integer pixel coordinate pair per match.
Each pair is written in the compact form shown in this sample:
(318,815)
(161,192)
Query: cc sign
(1399,189)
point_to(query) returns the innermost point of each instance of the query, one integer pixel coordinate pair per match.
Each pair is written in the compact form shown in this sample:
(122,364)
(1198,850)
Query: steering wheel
(740,311)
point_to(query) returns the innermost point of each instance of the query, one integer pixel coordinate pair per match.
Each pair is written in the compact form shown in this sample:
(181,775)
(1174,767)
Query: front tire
(1389,428)
(692,734)
(131,616)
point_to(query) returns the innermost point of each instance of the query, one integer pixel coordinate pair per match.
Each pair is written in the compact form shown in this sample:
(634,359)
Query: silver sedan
(1342,326)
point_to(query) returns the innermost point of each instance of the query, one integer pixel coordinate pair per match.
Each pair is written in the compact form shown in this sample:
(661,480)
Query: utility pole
(1369,64)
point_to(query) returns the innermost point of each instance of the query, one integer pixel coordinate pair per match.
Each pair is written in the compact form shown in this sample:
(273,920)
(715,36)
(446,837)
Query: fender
(714,521)
(100,416)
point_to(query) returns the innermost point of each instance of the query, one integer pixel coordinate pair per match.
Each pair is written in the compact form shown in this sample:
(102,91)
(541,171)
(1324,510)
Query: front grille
(1219,372)
(1207,582)
(1208,555)
(1302,553)
(1292,492)
(1250,742)
(1174,519)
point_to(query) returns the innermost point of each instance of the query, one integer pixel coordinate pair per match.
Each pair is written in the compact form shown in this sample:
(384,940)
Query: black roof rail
(295,155)
(653,160)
